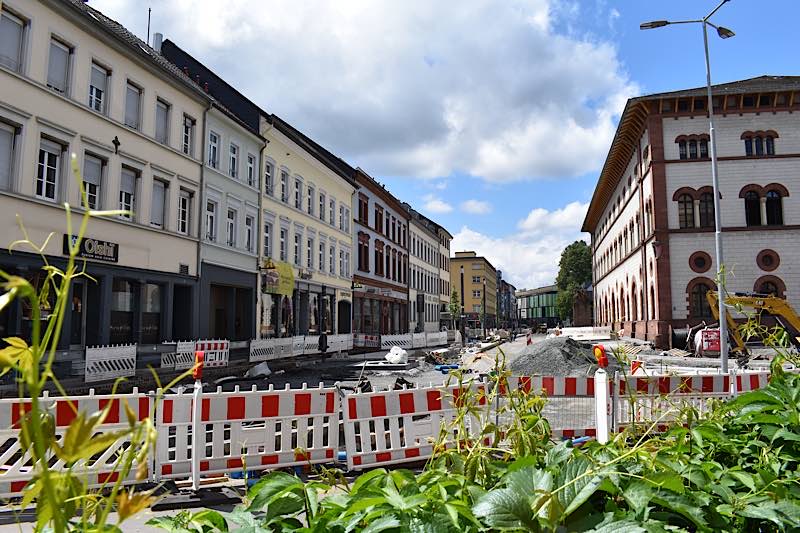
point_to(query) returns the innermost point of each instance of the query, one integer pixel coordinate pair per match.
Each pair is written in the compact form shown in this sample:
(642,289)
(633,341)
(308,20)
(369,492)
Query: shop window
(313,314)
(774,209)
(706,210)
(123,304)
(151,314)
(752,208)
(686,211)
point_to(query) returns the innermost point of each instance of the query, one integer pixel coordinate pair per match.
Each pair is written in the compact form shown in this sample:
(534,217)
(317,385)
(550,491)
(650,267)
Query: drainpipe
(261,193)
(200,206)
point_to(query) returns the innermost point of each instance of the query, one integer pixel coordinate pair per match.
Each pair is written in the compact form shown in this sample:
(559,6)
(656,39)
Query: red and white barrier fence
(99,469)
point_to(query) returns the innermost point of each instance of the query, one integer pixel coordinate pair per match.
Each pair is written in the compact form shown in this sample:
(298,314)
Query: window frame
(231,229)
(59,43)
(184,212)
(164,202)
(249,232)
(11,131)
(686,218)
(21,50)
(233,160)
(774,208)
(103,97)
(130,203)
(267,230)
(139,92)
(251,170)
(161,103)
(752,209)
(93,190)
(42,168)
(213,149)
(211,220)
(187,135)
(269,178)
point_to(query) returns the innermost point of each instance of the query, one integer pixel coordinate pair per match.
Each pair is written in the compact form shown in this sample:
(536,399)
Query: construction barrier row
(203,433)
(110,362)
(217,353)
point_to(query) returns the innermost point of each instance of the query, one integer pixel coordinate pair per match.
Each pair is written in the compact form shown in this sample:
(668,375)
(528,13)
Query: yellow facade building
(480,279)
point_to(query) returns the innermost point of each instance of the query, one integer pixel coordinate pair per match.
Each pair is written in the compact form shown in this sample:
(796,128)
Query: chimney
(158,38)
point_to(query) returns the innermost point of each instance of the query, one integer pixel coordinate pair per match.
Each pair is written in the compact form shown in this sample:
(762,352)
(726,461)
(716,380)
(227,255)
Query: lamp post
(724,33)
(461,318)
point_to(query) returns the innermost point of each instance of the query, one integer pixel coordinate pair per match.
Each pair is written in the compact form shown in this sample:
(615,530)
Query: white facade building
(424,274)
(652,215)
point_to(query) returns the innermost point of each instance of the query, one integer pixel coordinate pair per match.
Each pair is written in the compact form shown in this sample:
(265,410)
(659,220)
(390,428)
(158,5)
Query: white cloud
(411,88)
(476,207)
(435,205)
(529,257)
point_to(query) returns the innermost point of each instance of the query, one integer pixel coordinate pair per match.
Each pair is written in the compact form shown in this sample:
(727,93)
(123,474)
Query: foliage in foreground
(736,470)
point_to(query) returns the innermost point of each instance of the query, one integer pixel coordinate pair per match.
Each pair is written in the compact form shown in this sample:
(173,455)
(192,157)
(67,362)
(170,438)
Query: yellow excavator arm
(759,303)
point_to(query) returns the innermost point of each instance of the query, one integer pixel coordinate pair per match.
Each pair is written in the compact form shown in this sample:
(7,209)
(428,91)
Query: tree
(574,271)
(455,304)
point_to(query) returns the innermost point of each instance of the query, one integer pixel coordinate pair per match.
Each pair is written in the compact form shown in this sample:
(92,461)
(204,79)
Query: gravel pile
(560,356)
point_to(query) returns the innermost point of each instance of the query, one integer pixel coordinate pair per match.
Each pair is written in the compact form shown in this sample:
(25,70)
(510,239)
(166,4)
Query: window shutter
(10,42)
(92,170)
(157,211)
(132,106)
(6,150)
(57,67)
(128,183)
(161,122)
(99,78)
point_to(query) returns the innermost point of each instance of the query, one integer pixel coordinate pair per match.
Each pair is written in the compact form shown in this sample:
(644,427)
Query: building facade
(652,214)
(446,319)
(75,82)
(380,281)
(538,306)
(507,303)
(480,281)
(307,236)
(424,264)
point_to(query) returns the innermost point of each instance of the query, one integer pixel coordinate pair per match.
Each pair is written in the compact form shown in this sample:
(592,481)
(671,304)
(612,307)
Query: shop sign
(92,248)
(277,278)
(344,295)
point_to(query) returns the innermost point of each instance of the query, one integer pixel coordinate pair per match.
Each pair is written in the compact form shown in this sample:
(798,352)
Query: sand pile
(559,356)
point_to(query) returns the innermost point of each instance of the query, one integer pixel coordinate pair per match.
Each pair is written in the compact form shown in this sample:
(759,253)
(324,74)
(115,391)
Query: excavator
(760,305)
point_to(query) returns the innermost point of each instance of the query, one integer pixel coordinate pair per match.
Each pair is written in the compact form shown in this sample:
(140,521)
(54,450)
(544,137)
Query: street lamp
(461,318)
(724,33)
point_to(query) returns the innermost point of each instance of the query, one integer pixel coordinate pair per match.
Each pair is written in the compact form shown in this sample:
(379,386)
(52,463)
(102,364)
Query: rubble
(558,356)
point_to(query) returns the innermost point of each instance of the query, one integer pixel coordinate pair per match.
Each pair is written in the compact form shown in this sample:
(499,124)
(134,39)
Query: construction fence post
(602,401)
(197,401)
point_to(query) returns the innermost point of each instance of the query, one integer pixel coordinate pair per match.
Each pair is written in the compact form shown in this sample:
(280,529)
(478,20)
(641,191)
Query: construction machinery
(760,305)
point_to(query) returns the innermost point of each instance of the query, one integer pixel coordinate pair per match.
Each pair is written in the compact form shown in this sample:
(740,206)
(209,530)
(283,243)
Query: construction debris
(558,356)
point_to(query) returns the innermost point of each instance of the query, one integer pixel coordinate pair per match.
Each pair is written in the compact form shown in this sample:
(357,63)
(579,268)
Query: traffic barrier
(570,407)
(418,340)
(217,352)
(340,343)
(363,340)
(184,355)
(173,424)
(110,362)
(438,338)
(397,426)
(311,344)
(298,344)
(99,469)
(262,350)
(749,381)
(401,340)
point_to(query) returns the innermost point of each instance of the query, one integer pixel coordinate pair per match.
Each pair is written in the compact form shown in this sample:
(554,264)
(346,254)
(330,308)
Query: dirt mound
(560,356)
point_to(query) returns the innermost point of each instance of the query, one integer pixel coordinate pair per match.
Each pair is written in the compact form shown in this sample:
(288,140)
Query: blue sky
(492,117)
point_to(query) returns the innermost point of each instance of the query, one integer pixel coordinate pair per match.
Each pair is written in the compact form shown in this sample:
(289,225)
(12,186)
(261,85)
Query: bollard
(197,373)
(602,404)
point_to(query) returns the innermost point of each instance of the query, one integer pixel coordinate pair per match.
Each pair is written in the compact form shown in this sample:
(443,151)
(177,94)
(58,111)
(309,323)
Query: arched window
(772,285)
(706,210)
(703,148)
(652,303)
(686,211)
(774,209)
(770,145)
(692,149)
(759,142)
(682,150)
(768,287)
(698,303)
(752,208)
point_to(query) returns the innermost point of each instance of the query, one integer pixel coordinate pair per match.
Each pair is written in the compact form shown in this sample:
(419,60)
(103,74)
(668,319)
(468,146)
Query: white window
(48,170)
(283,244)
(310,253)
(7,135)
(127,192)
(233,161)
(92,174)
(476,294)
(284,186)
(159,202)
(211,220)
(249,224)
(322,256)
(267,239)
(321,206)
(133,103)
(162,121)
(298,194)
(58,66)
(230,228)
(251,170)
(341,262)
(213,150)
(297,257)
(97,88)
(12,30)
(332,211)
(347,220)
(332,260)
(310,201)
(347,264)
(184,211)
(187,144)
(268,184)
(341,217)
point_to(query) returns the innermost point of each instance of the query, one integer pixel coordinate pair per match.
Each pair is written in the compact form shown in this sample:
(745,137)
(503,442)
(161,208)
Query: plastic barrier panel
(390,427)
(362,340)
(110,362)
(184,355)
(436,339)
(17,469)
(268,429)
(311,345)
(217,352)
(262,350)
(174,436)
(402,340)
(418,340)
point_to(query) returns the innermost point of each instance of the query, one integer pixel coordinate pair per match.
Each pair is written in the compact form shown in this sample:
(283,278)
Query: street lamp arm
(716,9)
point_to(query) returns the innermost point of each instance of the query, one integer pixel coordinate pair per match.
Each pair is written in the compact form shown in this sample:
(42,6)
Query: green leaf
(265,490)
(370,479)
(619,526)
(382,524)
(522,462)
(212,519)
(579,480)
(785,434)
(744,478)
(558,454)
(638,494)
(511,506)
(667,480)
(762,511)
(681,504)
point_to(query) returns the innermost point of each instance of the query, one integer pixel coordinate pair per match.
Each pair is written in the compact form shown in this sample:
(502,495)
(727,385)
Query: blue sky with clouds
(493,117)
